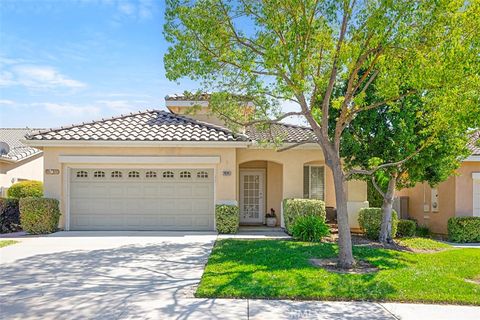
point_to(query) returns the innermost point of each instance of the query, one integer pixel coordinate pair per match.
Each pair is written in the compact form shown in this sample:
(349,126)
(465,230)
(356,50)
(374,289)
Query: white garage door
(133,199)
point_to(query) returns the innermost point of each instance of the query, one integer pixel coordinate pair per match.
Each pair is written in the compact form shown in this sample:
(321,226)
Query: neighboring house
(458,196)
(18,162)
(158,170)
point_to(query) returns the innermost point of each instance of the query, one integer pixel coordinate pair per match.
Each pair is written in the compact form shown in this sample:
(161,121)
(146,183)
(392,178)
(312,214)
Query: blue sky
(67,61)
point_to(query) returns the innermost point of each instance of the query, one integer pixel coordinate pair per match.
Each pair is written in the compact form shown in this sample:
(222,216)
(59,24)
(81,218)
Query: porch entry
(252,199)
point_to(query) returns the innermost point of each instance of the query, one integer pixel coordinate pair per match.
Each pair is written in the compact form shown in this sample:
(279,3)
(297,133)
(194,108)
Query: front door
(252,203)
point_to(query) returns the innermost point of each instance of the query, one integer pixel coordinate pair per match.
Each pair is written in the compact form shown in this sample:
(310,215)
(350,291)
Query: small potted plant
(271,218)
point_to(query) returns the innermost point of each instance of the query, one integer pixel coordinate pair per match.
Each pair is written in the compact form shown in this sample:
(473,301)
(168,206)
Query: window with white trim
(168,174)
(314,182)
(116,174)
(185,175)
(202,175)
(82,174)
(150,174)
(134,174)
(99,174)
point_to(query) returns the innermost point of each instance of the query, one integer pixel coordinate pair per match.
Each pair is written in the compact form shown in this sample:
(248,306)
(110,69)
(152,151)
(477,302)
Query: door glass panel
(251,197)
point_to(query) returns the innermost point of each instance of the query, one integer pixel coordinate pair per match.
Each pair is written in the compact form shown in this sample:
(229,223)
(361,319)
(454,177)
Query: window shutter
(306,182)
(317,186)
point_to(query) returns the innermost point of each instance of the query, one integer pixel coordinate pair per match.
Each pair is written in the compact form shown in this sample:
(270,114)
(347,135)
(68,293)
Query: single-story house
(166,170)
(457,197)
(18,161)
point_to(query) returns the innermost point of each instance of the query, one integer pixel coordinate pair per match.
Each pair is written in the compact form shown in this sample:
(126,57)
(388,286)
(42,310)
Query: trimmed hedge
(406,228)
(227,218)
(311,228)
(39,215)
(293,208)
(9,215)
(464,229)
(370,221)
(26,189)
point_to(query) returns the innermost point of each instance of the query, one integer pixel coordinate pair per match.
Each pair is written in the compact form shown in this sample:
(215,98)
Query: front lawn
(281,269)
(423,244)
(4,243)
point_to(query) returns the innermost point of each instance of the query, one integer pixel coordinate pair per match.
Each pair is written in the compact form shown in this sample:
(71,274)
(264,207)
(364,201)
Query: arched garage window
(116,174)
(99,174)
(82,174)
(202,175)
(134,174)
(185,175)
(150,174)
(168,174)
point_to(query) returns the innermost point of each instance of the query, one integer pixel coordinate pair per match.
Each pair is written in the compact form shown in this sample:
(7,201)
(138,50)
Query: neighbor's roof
(474,143)
(204,96)
(150,125)
(17,150)
(156,125)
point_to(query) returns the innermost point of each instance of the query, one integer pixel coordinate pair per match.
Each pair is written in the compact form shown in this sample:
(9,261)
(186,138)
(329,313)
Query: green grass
(280,269)
(423,244)
(4,243)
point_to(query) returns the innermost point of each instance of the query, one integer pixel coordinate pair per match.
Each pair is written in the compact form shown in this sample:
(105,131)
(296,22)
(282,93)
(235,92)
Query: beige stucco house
(159,170)
(18,162)
(458,196)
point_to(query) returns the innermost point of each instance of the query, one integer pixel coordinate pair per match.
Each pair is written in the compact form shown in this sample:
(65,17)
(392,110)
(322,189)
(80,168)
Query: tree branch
(297,144)
(377,187)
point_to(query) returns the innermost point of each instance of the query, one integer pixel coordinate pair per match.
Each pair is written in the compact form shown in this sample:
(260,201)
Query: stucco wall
(455,197)
(29,169)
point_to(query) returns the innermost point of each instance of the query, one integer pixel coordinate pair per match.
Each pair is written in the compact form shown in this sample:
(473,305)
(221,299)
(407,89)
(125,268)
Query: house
(458,196)
(166,170)
(18,162)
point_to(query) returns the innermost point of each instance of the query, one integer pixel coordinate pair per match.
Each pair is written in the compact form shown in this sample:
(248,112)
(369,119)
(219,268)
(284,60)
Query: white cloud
(5,102)
(17,73)
(69,110)
(123,106)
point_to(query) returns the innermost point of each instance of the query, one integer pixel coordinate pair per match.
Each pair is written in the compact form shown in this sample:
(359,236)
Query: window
(167,174)
(314,182)
(82,174)
(99,174)
(150,174)
(202,175)
(134,174)
(116,174)
(185,175)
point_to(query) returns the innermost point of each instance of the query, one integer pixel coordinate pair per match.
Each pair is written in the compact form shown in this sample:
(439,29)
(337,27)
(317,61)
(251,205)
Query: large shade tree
(300,50)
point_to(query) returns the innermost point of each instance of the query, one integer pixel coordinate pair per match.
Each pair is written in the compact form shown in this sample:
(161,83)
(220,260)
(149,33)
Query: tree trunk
(387,207)
(345,256)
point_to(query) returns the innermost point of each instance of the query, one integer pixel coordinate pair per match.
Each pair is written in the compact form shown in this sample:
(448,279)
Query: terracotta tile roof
(205,96)
(156,125)
(474,143)
(153,125)
(286,132)
(11,140)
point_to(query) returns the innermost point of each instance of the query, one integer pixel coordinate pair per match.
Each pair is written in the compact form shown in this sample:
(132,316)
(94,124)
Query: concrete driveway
(108,275)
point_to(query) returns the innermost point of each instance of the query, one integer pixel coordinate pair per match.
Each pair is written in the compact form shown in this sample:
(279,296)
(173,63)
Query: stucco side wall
(225,185)
(28,169)
(464,188)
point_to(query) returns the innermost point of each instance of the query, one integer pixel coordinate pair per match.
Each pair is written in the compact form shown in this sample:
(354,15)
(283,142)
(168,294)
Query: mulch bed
(361,267)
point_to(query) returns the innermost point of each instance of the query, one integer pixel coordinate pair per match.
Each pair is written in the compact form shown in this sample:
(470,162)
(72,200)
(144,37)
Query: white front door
(252,201)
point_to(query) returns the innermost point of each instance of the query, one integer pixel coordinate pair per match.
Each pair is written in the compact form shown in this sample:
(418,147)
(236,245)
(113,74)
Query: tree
(406,134)
(300,50)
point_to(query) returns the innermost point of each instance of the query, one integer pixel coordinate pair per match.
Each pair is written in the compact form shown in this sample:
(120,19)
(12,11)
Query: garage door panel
(145,202)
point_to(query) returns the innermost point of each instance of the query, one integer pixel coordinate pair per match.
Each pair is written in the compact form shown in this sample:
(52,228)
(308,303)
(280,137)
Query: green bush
(406,228)
(464,229)
(26,189)
(293,208)
(9,215)
(227,218)
(39,215)
(422,231)
(310,228)
(370,221)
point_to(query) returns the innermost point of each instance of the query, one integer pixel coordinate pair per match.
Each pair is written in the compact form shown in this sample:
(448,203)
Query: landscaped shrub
(464,229)
(406,228)
(227,218)
(26,189)
(422,231)
(310,228)
(39,215)
(370,220)
(9,215)
(293,208)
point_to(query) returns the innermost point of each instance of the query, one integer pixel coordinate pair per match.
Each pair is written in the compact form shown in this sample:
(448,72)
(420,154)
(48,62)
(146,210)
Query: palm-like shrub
(311,228)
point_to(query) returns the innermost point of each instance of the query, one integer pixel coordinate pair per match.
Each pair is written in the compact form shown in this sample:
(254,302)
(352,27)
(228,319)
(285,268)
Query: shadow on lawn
(281,269)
